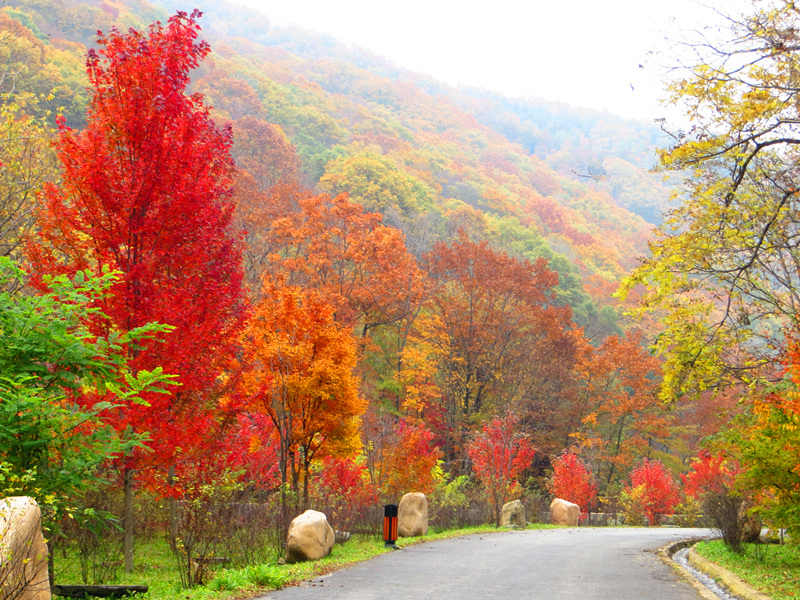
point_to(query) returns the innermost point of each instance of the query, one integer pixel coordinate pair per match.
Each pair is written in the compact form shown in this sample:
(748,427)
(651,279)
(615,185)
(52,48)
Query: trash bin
(390,525)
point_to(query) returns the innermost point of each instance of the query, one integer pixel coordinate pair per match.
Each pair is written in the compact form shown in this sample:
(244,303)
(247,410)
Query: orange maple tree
(297,368)
(403,457)
(495,319)
(619,387)
(332,245)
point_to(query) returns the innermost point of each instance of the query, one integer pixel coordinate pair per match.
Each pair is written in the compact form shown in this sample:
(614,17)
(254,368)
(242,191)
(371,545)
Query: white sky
(583,52)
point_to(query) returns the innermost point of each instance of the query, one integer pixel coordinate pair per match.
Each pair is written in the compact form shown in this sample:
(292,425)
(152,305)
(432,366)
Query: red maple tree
(145,191)
(499,453)
(654,488)
(710,473)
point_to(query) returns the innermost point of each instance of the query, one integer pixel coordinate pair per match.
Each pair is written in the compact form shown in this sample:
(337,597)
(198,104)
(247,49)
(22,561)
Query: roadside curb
(722,576)
(666,553)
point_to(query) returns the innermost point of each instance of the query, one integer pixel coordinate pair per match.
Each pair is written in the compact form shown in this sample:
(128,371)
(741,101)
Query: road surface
(552,564)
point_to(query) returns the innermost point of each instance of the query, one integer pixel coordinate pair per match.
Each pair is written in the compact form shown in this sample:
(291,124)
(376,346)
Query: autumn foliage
(499,453)
(410,462)
(354,303)
(343,487)
(573,482)
(145,191)
(297,368)
(652,491)
(710,473)
(619,388)
(495,323)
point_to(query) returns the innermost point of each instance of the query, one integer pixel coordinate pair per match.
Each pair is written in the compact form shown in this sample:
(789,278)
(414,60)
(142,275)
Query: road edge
(665,554)
(725,578)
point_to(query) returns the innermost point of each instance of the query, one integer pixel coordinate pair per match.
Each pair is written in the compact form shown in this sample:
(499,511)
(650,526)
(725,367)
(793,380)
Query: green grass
(770,568)
(155,566)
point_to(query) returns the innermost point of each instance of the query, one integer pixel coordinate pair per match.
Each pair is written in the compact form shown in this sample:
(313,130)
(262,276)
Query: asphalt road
(553,564)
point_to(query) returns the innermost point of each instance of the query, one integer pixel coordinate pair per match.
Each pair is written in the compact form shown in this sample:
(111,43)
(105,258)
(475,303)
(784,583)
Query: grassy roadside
(156,568)
(772,569)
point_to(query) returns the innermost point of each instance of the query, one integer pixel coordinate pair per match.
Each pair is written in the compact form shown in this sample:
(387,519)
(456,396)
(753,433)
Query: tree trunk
(173,506)
(128,520)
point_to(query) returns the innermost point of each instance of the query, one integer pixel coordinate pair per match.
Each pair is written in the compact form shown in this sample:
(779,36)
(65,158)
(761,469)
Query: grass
(772,569)
(155,566)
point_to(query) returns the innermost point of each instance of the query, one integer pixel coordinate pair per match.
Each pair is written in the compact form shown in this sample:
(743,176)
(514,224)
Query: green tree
(724,267)
(50,446)
(377,183)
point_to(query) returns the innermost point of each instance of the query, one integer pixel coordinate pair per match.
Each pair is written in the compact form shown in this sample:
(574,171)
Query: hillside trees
(332,245)
(430,378)
(376,183)
(495,321)
(27,86)
(145,191)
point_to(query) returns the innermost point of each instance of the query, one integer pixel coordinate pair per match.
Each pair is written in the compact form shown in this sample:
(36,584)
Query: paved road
(552,564)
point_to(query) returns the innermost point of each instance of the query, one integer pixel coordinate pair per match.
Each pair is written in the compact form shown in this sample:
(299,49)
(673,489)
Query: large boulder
(23,551)
(564,513)
(310,537)
(412,515)
(513,515)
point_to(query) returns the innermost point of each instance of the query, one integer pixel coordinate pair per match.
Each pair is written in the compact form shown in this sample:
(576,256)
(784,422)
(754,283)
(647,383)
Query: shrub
(573,482)
(652,491)
(499,454)
(712,481)
(342,486)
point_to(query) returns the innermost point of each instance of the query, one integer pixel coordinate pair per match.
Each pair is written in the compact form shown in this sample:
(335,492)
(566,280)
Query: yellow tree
(725,267)
(27,159)
(298,369)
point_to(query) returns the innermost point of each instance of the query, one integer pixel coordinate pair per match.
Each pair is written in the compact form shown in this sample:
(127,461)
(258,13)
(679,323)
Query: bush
(457,503)
(573,482)
(712,481)
(652,492)
(343,490)
(633,501)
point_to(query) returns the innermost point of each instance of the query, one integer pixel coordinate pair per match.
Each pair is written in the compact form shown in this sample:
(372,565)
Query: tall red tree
(145,191)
